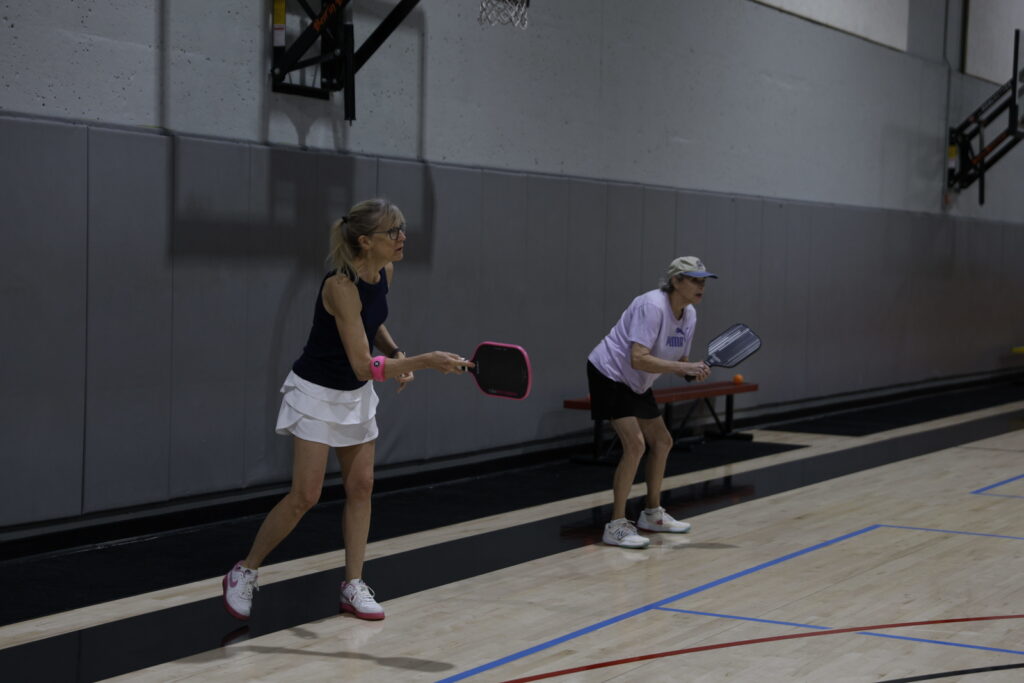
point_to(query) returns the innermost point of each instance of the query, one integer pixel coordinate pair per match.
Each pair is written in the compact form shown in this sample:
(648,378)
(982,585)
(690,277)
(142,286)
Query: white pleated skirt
(330,416)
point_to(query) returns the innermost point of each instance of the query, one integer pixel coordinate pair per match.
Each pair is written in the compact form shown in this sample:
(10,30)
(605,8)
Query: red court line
(718,646)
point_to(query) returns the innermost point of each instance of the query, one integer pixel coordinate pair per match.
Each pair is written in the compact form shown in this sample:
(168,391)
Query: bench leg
(725,430)
(677,434)
(722,431)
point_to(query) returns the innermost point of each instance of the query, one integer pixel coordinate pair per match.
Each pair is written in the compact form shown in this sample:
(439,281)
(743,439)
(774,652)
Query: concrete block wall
(728,96)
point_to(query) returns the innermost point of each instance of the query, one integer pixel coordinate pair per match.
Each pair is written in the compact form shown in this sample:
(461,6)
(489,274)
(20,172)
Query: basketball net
(493,12)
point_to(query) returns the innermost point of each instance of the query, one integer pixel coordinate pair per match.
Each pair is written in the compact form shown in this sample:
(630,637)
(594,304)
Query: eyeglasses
(393,233)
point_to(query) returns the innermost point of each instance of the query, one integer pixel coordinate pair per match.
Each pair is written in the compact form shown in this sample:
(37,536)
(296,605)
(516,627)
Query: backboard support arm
(339,61)
(971,166)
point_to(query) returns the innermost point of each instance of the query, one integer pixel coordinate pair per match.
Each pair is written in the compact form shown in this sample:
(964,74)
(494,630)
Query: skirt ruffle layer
(329,416)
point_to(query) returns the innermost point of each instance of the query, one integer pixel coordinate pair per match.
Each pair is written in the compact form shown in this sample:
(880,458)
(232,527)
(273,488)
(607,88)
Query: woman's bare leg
(357,476)
(659,442)
(632,439)
(308,465)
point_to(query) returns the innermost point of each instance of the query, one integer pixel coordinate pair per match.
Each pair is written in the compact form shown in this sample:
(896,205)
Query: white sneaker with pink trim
(357,599)
(239,584)
(659,520)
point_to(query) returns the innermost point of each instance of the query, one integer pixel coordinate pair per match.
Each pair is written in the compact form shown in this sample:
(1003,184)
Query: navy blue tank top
(323,360)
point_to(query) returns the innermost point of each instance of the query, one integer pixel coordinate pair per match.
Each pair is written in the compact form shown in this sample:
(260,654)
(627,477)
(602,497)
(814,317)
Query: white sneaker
(659,520)
(238,586)
(622,533)
(357,598)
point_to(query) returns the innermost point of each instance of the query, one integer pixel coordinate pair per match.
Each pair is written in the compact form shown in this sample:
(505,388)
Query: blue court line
(941,642)
(827,628)
(646,608)
(949,531)
(982,491)
(693,591)
(733,616)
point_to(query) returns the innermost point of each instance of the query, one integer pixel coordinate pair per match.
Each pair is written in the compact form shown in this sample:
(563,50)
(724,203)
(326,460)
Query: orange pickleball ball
(737,379)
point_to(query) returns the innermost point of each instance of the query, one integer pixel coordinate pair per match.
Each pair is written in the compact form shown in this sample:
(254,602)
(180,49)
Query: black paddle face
(732,346)
(502,370)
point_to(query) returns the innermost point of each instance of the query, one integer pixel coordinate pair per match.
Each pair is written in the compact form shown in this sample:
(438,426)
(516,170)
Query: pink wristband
(377,368)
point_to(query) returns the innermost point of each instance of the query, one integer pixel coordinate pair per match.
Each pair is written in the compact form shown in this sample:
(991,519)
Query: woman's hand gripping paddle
(502,370)
(732,347)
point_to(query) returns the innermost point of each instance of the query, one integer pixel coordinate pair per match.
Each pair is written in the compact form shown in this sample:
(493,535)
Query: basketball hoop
(493,12)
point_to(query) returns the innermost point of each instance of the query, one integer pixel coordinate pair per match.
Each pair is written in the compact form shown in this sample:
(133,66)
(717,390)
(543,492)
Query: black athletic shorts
(610,399)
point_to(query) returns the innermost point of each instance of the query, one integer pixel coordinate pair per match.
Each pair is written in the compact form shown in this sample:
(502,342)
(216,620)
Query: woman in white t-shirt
(652,337)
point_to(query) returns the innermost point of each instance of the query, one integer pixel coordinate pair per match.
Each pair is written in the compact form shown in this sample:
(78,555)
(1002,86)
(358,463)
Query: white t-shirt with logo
(647,321)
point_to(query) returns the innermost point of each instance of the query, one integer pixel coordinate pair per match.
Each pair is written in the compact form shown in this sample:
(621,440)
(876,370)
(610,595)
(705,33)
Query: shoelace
(361,592)
(624,530)
(249,580)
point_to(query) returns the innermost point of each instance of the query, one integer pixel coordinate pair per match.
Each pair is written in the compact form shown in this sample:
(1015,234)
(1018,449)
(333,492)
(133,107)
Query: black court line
(130,644)
(950,674)
(880,418)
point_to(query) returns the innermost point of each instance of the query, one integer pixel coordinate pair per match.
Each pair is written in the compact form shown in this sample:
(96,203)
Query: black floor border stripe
(950,674)
(110,526)
(899,413)
(143,565)
(130,644)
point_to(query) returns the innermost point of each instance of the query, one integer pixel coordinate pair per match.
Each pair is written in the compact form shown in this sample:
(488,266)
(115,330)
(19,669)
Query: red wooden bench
(670,395)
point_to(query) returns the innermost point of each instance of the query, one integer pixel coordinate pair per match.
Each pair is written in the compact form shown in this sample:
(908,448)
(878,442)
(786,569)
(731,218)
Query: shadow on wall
(919,151)
(248,242)
(162,65)
(249,246)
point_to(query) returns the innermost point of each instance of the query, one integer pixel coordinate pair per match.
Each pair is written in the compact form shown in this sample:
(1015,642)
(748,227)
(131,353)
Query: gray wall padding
(283,255)
(158,289)
(128,392)
(213,274)
(43,288)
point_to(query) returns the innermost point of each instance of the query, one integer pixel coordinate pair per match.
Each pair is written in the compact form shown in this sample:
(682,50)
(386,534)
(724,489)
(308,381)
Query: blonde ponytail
(341,256)
(365,218)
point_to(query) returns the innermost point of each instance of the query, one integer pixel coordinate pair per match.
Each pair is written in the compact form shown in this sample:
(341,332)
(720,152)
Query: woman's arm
(385,344)
(341,299)
(641,359)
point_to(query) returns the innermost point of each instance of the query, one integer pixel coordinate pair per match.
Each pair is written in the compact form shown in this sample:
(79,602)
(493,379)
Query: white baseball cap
(691,266)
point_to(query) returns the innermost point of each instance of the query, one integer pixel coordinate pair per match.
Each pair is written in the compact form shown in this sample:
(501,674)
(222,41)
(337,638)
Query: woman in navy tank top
(329,400)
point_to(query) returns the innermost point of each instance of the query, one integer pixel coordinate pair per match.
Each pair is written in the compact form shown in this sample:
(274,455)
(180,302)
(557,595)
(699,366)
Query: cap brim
(699,273)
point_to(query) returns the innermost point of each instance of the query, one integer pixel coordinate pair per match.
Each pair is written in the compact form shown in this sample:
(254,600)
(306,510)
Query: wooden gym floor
(884,544)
